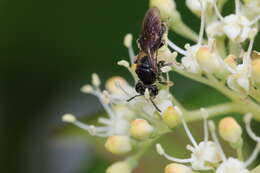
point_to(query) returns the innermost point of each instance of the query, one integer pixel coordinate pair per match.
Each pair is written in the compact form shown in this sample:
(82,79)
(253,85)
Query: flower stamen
(253,155)
(161,151)
(217,11)
(215,139)
(202,23)
(186,128)
(177,48)
(247,120)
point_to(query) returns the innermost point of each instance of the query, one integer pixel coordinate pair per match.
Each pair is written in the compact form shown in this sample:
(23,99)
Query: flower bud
(128,40)
(69,118)
(231,60)
(171,117)
(112,84)
(119,167)
(166,7)
(177,168)
(123,63)
(230,130)
(141,129)
(118,144)
(87,89)
(207,60)
(256,70)
(95,80)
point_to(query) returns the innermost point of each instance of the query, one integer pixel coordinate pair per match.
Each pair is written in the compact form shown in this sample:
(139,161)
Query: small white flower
(189,61)
(236,27)
(232,165)
(214,29)
(206,152)
(195,6)
(203,155)
(239,79)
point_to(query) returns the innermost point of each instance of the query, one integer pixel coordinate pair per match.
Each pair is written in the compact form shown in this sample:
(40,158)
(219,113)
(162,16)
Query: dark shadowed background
(48,50)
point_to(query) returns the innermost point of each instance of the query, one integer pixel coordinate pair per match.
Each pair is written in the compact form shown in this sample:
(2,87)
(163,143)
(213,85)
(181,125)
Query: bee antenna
(156,107)
(133,97)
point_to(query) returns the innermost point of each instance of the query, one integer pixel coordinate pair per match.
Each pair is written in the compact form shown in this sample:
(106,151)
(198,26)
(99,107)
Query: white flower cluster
(223,59)
(208,155)
(212,57)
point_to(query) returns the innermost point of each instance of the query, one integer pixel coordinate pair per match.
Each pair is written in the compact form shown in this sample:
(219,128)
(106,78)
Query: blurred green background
(48,50)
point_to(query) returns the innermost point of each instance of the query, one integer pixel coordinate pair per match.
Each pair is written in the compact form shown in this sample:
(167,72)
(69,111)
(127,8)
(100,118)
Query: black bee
(147,67)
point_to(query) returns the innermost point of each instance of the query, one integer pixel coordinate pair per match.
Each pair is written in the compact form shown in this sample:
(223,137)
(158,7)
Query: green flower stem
(234,48)
(243,102)
(220,44)
(240,153)
(213,111)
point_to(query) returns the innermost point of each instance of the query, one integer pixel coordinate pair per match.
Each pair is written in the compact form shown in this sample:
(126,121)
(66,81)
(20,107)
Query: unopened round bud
(231,60)
(69,118)
(95,80)
(128,40)
(118,144)
(256,70)
(166,7)
(170,117)
(87,89)
(141,129)
(177,168)
(230,130)
(112,84)
(207,60)
(123,63)
(119,167)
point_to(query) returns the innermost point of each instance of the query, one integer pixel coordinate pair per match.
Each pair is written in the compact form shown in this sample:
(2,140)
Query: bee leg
(161,64)
(156,107)
(133,98)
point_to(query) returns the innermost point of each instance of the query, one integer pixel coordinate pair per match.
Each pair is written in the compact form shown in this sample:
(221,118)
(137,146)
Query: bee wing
(151,30)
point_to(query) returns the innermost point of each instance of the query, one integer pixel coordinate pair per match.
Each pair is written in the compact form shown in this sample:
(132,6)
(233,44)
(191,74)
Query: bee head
(140,88)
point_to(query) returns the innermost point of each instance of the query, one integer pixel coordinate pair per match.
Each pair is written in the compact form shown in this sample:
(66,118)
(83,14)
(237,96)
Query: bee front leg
(162,63)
